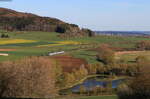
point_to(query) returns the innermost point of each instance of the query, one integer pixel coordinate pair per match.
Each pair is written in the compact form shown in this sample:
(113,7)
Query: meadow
(41,43)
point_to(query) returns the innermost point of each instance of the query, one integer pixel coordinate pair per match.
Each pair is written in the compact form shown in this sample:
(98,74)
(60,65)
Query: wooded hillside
(17,21)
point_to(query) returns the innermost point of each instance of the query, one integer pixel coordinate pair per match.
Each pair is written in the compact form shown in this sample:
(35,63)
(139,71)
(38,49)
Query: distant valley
(124,33)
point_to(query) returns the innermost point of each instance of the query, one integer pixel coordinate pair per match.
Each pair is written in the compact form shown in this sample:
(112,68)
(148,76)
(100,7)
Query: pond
(91,83)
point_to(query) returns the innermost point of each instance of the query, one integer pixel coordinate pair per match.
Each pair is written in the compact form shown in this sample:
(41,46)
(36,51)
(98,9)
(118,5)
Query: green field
(82,50)
(91,97)
(99,97)
(127,57)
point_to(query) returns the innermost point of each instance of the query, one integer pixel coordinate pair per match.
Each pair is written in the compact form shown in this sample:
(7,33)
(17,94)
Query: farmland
(14,41)
(75,49)
(41,43)
(79,52)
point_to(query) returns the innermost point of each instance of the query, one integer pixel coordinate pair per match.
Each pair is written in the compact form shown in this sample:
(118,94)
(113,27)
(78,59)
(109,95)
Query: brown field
(128,52)
(7,49)
(70,63)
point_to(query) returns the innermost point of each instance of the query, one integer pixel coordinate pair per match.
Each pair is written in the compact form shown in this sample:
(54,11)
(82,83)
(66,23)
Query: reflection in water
(91,83)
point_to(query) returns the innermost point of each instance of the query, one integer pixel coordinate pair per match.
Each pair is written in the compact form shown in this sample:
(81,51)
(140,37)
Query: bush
(88,32)
(124,92)
(4,36)
(143,45)
(62,28)
(28,78)
(142,59)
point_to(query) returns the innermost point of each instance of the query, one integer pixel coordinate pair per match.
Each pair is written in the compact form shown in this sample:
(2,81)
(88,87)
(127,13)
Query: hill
(18,21)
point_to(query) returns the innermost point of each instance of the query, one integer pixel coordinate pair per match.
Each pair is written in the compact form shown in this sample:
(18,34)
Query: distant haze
(118,15)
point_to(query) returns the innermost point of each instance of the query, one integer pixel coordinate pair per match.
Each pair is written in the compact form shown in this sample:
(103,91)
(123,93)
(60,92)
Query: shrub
(88,32)
(4,35)
(62,28)
(124,92)
(143,45)
(142,59)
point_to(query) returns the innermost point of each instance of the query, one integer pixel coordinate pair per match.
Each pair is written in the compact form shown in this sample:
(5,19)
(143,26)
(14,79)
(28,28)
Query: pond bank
(92,76)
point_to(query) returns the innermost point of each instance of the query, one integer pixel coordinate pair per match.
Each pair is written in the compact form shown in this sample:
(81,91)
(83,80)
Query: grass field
(99,97)
(92,97)
(132,55)
(41,43)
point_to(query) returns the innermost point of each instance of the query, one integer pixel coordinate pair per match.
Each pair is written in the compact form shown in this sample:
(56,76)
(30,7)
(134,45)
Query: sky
(118,15)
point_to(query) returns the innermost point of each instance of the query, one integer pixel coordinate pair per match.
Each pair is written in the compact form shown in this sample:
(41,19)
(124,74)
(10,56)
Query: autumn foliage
(139,87)
(27,78)
(143,45)
(106,54)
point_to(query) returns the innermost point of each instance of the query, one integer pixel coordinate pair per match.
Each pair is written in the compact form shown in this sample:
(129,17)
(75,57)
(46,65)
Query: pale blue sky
(128,15)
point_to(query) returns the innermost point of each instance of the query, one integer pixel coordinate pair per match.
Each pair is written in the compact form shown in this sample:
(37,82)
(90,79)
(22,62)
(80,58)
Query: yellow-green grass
(98,97)
(91,97)
(127,42)
(14,41)
(60,43)
(132,55)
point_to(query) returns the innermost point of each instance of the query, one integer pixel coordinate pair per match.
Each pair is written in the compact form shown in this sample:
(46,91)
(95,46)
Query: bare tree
(27,78)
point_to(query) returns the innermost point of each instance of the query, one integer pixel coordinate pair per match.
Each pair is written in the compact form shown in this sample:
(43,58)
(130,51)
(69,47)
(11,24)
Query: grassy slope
(28,49)
(40,36)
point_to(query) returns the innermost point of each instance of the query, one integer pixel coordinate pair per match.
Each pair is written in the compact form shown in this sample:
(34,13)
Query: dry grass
(60,43)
